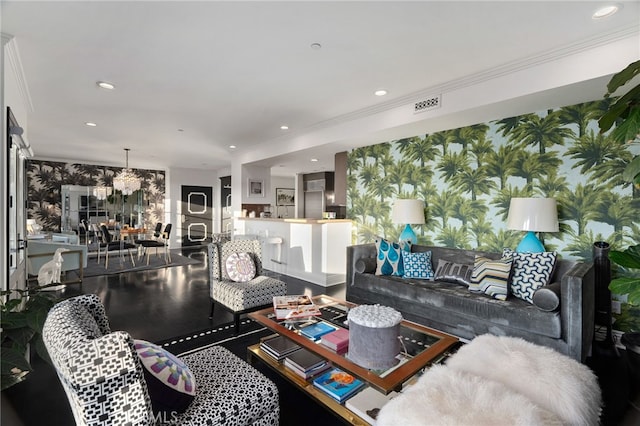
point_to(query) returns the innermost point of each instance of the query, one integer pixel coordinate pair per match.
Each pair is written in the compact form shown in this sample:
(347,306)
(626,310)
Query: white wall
(281,182)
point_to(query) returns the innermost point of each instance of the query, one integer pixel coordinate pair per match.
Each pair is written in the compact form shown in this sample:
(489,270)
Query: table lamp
(532,215)
(409,212)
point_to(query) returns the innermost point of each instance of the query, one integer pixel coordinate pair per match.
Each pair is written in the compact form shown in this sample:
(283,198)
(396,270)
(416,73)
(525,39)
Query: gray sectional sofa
(452,308)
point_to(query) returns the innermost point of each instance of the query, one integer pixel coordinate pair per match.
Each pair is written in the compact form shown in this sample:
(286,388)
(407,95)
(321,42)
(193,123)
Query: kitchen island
(313,250)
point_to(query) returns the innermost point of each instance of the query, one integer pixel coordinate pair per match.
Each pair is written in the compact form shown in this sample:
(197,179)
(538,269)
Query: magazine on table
(368,402)
(294,307)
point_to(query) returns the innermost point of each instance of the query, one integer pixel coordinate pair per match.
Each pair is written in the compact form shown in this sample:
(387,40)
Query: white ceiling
(234,72)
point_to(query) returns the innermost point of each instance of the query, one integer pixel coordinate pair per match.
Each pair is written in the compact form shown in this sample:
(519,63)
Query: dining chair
(162,241)
(108,244)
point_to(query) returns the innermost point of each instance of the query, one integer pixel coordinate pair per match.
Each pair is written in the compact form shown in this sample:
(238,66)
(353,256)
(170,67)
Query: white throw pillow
(240,267)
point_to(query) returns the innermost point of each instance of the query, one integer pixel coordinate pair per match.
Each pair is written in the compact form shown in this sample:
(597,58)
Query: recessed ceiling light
(314,160)
(105,85)
(605,11)
(380,92)
(90,124)
(232,146)
(316,46)
(284,127)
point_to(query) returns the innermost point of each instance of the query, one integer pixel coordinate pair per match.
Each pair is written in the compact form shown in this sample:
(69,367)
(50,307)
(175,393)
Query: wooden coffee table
(422,346)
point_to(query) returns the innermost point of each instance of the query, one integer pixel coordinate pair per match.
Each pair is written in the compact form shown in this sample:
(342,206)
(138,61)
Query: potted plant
(625,114)
(22,316)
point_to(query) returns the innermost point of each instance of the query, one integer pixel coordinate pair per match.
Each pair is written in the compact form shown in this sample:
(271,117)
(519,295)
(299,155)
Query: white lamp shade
(533,214)
(408,212)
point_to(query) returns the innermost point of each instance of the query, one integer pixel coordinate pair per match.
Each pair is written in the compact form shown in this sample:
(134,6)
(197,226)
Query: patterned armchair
(240,297)
(105,381)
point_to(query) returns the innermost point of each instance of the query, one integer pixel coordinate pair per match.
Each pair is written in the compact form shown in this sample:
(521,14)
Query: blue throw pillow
(417,265)
(388,258)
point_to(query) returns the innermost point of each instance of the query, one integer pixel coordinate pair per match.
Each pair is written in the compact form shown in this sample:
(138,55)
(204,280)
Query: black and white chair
(237,281)
(112,379)
(161,241)
(108,244)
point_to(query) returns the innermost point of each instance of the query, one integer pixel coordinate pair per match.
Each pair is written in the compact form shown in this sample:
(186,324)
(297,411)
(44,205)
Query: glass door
(17,152)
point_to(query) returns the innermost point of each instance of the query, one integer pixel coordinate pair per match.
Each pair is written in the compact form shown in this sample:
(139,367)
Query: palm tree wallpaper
(467,177)
(44,179)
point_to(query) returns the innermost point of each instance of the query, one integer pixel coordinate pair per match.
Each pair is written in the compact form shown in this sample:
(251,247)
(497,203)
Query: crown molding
(12,56)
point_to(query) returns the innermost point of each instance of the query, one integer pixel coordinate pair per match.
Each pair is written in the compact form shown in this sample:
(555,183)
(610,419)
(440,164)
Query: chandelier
(101,192)
(126,181)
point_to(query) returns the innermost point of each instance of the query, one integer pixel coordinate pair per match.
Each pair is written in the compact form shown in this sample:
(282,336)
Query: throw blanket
(500,381)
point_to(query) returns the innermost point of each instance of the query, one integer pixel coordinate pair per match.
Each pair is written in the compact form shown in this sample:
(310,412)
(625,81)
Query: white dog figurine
(50,271)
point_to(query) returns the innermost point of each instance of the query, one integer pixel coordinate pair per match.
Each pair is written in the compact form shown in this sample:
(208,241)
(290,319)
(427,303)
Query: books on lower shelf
(337,341)
(279,347)
(294,307)
(368,402)
(305,363)
(317,330)
(338,384)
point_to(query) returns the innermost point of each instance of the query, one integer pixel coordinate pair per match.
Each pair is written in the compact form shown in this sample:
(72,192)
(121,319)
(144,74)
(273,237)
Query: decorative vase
(602,276)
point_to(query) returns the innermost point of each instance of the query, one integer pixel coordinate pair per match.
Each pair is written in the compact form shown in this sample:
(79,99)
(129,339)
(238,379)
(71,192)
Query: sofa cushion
(491,277)
(547,298)
(459,273)
(171,384)
(389,258)
(470,314)
(417,265)
(530,271)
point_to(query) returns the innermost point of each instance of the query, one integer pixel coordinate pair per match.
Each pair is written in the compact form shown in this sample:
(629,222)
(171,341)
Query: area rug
(119,266)
(250,333)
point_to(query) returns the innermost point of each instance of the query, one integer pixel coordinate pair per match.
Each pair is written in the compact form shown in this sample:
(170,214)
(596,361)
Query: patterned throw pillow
(530,272)
(417,265)
(171,385)
(491,277)
(388,259)
(240,267)
(451,272)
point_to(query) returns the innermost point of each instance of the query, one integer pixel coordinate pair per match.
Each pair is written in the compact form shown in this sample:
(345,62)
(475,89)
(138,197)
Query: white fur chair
(499,380)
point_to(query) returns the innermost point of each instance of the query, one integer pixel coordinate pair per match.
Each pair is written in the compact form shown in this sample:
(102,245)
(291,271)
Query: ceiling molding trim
(477,78)
(13,59)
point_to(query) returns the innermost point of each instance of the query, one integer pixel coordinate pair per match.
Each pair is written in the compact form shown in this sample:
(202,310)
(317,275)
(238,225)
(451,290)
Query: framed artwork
(285,197)
(255,188)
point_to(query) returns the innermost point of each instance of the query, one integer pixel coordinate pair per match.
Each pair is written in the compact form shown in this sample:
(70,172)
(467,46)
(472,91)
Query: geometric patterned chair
(105,382)
(240,297)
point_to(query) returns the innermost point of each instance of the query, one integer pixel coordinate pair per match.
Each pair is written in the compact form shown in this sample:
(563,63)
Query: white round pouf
(373,336)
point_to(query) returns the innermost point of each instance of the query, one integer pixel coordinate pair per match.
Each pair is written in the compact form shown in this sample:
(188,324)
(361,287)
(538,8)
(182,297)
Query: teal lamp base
(408,235)
(530,244)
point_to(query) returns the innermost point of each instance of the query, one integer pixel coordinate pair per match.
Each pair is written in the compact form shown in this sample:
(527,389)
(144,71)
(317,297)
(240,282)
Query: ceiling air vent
(432,102)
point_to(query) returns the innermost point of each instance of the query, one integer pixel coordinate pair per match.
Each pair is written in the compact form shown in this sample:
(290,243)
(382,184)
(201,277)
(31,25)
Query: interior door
(197,216)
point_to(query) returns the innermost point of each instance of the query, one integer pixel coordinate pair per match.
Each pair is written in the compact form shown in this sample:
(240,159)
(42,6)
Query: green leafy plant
(628,274)
(23,313)
(625,114)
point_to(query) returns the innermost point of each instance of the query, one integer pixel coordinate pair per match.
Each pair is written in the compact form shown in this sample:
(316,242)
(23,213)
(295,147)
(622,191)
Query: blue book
(317,330)
(338,384)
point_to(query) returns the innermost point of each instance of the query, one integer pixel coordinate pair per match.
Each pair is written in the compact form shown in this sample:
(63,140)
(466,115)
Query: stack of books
(338,384)
(337,341)
(305,363)
(316,330)
(279,347)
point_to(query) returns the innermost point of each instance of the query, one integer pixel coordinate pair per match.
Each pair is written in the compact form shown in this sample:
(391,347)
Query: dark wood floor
(160,304)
